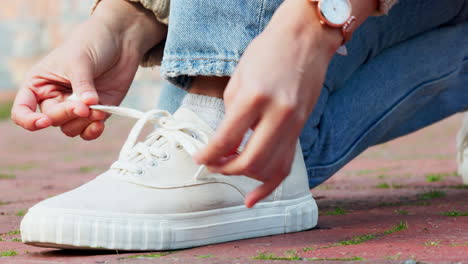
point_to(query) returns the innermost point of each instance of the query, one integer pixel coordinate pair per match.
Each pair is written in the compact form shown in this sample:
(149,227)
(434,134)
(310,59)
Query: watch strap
(348,29)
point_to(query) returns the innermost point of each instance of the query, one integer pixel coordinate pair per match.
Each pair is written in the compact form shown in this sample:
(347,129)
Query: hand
(97,63)
(273,91)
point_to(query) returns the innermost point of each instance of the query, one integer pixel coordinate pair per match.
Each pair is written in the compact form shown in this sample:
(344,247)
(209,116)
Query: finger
(230,133)
(82,81)
(268,138)
(261,192)
(276,174)
(63,112)
(280,163)
(97,115)
(75,127)
(24,113)
(216,167)
(93,131)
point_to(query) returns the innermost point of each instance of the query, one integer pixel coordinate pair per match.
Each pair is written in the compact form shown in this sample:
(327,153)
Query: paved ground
(387,206)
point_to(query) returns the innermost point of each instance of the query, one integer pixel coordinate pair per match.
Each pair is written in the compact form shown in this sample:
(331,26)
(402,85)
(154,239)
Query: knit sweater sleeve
(160,8)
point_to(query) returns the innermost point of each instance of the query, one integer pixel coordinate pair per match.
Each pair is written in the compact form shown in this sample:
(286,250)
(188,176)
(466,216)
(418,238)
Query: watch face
(336,12)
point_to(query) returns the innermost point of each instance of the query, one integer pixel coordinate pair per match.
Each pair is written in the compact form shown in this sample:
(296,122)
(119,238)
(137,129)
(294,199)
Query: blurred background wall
(29,29)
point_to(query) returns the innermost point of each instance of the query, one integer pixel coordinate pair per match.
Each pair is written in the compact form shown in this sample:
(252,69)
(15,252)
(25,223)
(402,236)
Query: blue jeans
(405,71)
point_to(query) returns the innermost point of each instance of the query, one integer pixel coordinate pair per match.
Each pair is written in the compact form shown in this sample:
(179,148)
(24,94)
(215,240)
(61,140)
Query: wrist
(302,21)
(130,23)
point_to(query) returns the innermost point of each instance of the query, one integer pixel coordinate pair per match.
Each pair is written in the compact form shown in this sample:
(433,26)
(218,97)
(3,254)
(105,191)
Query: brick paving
(385,207)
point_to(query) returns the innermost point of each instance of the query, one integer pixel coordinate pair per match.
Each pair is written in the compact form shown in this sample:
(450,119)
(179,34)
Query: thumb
(82,81)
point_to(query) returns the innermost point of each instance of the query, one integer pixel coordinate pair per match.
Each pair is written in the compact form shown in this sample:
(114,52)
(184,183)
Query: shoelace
(183,135)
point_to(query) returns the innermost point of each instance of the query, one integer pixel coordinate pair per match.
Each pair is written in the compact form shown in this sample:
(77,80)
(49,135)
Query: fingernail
(43,122)
(73,97)
(76,111)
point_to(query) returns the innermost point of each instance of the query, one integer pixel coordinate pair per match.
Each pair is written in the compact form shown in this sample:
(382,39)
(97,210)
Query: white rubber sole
(72,229)
(463,169)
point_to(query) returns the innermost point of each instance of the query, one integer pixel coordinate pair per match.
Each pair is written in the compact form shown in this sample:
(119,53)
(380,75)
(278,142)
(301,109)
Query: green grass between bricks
(7,176)
(150,255)
(87,169)
(459,186)
(271,256)
(336,259)
(21,213)
(290,256)
(9,253)
(437,177)
(401,212)
(366,237)
(363,238)
(12,233)
(205,256)
(455,213)
(388,186)
(431,195)
(5,110)
(336,211)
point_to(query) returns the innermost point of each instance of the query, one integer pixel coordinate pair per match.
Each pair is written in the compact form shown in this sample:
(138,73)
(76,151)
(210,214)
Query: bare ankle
(210,86)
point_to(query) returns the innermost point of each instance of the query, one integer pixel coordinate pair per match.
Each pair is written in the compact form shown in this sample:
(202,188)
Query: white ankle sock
(210,109)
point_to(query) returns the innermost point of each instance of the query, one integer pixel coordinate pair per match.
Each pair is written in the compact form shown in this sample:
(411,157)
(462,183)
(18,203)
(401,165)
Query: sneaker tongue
(187,115)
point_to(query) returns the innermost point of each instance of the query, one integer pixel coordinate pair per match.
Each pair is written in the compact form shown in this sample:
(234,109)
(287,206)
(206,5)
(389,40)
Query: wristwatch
(337,14)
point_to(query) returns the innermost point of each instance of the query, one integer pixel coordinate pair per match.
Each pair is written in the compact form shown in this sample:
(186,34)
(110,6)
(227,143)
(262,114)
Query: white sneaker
(462,150)
(156,198)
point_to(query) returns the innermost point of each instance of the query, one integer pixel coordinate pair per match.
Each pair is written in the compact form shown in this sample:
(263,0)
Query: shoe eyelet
(165,156)
(195,136)
(152,164)
(179,147)
(140,172)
